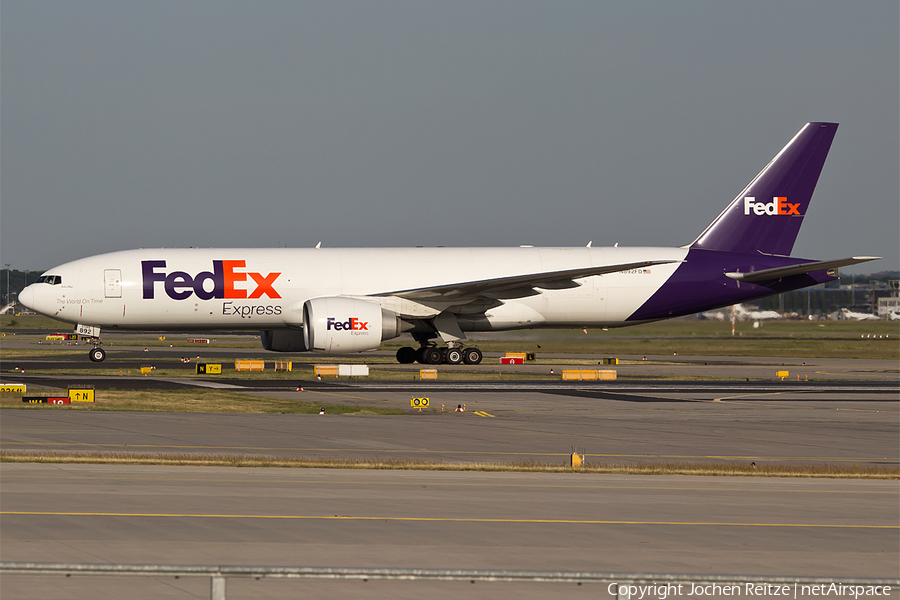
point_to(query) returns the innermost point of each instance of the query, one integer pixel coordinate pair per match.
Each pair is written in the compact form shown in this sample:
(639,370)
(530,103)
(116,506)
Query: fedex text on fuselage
(227,279)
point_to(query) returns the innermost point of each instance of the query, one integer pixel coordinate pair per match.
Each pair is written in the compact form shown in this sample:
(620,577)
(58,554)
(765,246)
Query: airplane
(742,314)
(338,301)
(849,315)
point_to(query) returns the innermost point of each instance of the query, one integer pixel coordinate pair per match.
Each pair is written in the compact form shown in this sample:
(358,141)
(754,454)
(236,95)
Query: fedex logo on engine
(778,206)
(227,279)
(352,324)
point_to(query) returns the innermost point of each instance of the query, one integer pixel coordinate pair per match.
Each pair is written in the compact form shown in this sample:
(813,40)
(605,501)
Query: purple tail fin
(767,215)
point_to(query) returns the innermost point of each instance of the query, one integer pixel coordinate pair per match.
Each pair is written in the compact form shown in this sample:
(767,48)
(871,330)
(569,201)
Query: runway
(760,526)
(123,514)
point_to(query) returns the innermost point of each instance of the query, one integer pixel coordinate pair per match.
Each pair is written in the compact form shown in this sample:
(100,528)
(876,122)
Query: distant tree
(17,282)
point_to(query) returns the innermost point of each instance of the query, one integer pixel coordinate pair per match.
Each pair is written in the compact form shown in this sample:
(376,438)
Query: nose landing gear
(97,354)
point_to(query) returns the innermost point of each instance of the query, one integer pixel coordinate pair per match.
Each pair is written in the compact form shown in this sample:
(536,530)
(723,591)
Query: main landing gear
(432,355)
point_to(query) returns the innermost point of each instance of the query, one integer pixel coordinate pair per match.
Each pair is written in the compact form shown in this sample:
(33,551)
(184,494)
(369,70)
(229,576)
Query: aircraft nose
(26,297)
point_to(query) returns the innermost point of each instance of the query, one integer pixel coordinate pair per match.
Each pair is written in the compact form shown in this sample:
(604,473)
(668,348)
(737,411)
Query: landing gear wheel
(472,356)
(454,356)
(420,356)
(433,356)
(406,355)
(97,355)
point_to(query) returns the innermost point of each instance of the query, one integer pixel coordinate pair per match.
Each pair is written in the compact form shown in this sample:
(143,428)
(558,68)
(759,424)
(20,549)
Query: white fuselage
(246,288)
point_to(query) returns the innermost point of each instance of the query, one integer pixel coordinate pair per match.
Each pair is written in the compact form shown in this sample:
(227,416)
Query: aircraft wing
(822,265)
(516,286)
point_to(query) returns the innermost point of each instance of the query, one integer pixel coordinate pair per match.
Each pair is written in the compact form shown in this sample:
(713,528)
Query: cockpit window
(51,279)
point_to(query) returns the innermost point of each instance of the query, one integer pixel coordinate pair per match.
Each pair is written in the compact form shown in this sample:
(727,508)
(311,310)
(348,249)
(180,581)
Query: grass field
(661,468)
(194,401)
(687,337)
(694,337)
(33,322)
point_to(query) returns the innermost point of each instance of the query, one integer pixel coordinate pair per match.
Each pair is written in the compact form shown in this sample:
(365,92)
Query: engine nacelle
(338,324)
(284,340)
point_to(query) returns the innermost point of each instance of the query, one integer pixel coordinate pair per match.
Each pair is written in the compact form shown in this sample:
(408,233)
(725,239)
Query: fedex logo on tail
(352,324)
(227,278)
(778,206)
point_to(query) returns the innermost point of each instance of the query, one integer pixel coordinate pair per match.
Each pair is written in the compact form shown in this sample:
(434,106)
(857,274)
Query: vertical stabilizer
(767,215)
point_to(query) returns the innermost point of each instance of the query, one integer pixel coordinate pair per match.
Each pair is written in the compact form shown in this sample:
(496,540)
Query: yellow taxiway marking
(441,519)
(481,413)
(432,483)
(459,452)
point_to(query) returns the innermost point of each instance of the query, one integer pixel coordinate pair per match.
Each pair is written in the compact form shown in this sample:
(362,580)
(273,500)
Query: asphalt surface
(572,522)
(759,526)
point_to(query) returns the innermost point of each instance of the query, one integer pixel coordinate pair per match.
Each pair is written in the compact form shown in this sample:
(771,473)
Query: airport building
(872,297)
(890,304)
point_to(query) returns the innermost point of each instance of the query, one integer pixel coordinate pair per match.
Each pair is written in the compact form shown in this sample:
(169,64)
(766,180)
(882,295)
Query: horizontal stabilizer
(821,265)
(511,287)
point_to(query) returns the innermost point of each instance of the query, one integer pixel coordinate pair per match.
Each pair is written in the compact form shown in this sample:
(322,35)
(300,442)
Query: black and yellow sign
(418,402)
(81,394)
(204,369)
(12,387)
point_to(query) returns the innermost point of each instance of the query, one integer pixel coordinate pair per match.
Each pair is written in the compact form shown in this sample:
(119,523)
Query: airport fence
(622,585)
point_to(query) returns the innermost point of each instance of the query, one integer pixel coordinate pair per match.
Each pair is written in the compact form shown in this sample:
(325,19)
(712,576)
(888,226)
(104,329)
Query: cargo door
(113,279)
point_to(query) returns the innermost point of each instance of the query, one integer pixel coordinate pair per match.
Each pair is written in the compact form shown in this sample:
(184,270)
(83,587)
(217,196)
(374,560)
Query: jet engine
(338,324)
